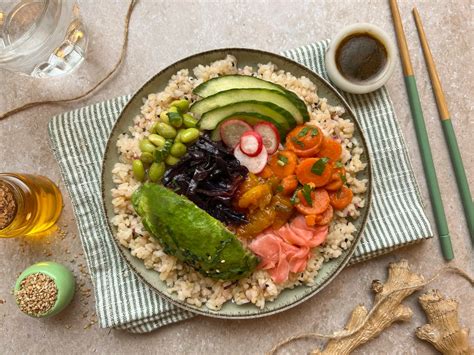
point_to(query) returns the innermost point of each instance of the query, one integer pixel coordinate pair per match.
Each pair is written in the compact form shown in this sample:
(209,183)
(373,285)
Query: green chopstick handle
(460,174)
(428,166)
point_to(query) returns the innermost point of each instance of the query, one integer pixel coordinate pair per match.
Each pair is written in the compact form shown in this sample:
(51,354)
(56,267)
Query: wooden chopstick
(401,40)
(435,82)
(448,130)
(422,137)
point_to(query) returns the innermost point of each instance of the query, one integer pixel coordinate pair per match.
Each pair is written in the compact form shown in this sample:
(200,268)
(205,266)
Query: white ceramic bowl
(370,85)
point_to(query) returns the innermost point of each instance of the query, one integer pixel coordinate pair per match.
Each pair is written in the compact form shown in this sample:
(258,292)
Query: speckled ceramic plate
(288,298)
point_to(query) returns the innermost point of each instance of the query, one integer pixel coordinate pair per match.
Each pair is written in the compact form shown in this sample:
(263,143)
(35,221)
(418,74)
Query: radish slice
(232,130)
(254,164)
(251,143)
(269,134)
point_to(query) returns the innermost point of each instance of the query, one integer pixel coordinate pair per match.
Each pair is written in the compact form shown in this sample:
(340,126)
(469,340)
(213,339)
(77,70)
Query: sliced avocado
(229,82)
(237,95)
(212,118)
(252,118)
(191,234)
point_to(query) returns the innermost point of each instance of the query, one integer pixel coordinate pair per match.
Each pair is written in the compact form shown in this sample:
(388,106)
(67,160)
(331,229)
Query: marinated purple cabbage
(209,175)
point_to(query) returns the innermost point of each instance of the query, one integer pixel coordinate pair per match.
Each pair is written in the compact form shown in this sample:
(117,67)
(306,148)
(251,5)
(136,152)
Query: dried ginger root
(443,331)
(389,311)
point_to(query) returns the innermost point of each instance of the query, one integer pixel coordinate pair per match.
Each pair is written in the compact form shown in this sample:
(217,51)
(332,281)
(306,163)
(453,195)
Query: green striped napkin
(78,140)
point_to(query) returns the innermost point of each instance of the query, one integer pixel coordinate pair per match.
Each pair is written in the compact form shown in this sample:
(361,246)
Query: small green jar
(62,277)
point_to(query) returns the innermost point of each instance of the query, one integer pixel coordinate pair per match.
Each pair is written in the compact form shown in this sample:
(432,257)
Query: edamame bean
(171,160)
(175,118)
(178,149)
(157,140)
(189,135)
(178,135)
(146,146)
(156,172)
(153,128)
(147,158)
(164,117)
(189,121)
(182,105)
(165,130)
(138,170)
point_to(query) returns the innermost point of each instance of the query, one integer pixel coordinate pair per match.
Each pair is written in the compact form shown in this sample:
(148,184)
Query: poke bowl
(236,183)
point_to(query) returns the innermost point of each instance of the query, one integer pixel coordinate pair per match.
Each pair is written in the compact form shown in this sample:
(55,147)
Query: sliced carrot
(326,216)
(330,149)
(310,219)
(289,184)
(335,183)
(307,153)
(266,172)
(305,140)
(283,163)
(341,198)
(319,202)
(337,179)
(307,174)
(313,219)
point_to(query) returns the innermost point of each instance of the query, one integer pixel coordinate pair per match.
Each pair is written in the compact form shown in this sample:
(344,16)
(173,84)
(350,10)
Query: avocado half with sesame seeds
(191,234)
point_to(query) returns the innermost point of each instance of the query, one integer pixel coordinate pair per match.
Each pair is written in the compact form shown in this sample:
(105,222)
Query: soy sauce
(360,57)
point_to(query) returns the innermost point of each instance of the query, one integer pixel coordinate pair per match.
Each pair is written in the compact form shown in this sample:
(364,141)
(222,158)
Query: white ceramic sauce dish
(375,82)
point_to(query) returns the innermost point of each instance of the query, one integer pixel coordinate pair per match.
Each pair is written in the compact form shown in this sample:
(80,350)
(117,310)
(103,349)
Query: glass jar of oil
(29,204)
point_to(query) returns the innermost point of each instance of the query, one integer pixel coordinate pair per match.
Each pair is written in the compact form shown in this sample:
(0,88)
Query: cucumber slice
(212,118)
(216,134)
(228,97)
(252,118)
(228,82)
(299,104)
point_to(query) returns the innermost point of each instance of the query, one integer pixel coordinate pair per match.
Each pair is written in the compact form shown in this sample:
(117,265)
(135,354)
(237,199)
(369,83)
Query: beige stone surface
(162,32)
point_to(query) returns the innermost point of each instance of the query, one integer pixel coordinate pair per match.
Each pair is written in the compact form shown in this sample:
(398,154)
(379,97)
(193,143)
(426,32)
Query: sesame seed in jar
(37,294)
(8,205)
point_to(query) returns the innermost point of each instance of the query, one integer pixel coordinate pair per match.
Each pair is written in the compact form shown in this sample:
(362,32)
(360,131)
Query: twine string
(347,333)
(123,51)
